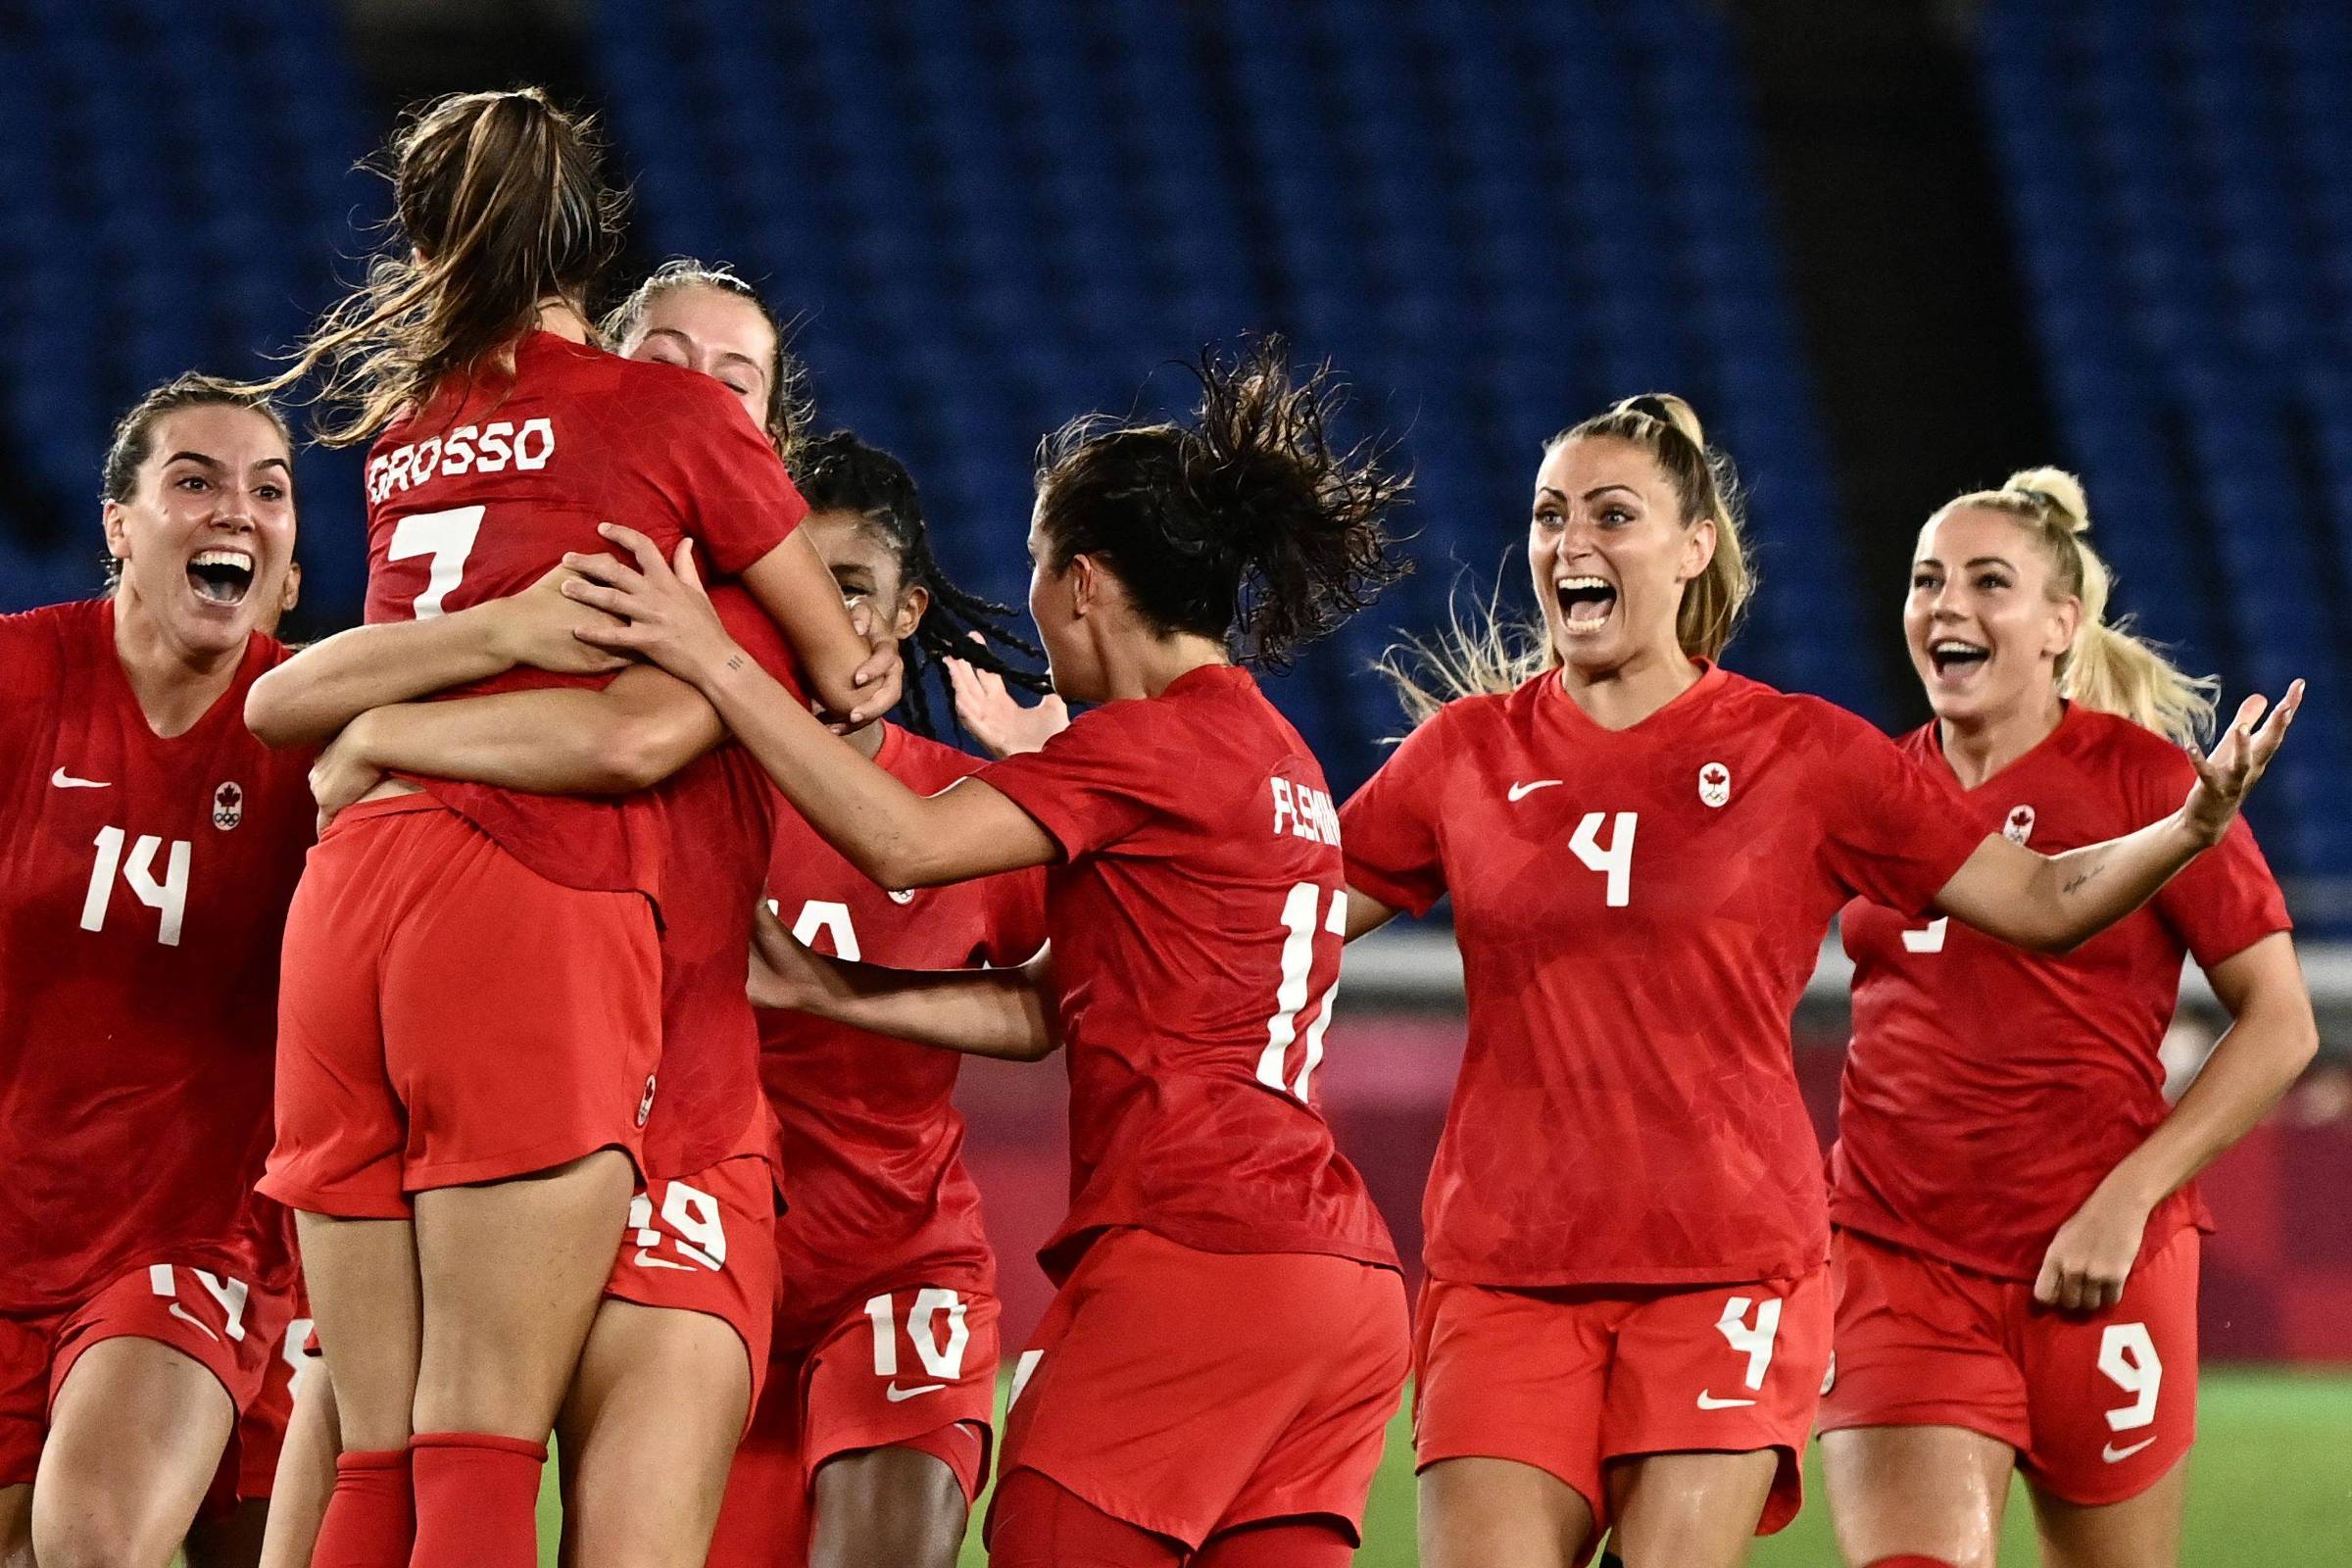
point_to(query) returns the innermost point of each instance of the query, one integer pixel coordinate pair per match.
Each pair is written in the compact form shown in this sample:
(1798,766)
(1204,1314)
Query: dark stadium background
(1892,249)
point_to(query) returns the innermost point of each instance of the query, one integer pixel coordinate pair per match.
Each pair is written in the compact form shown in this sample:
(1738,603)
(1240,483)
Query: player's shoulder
(2139,766)
(1769,713)
(55,636)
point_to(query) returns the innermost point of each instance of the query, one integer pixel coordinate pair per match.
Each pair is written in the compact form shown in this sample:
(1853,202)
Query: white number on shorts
(168,898)
(693,1220)
(939,1361)
(1928,938)
(446,537)
(2127,1355)
(297,1334)
(1753,1341)
(1289,996)
(230,1293)
(1616,862)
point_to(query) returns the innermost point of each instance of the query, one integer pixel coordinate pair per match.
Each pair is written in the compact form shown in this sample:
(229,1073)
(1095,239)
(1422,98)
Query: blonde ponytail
(2108,668)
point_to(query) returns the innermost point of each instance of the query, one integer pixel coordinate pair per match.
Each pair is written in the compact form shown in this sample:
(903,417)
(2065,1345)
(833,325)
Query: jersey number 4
(1300,925)
(168,897)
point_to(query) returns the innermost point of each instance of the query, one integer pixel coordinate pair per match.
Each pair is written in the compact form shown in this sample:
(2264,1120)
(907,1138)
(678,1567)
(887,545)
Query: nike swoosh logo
(63,780)
(185,1316)
(2115,1455)
(1708,1402)
(894,1394)
(1520,792)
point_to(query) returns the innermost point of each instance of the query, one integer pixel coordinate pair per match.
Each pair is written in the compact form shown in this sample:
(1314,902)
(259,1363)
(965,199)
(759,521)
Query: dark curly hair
(1249,526)
(839,472)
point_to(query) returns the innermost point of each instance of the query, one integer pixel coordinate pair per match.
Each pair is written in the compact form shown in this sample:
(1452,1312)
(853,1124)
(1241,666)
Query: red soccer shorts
(706,1244)
(2098,1405)
(1571,1380)
(447,1016)
(912,1369)
(1188,1392)
(249,1469)
(213,1320)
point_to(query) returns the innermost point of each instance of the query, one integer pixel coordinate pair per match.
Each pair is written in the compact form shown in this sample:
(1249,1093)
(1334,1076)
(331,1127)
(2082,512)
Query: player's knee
(94,1530)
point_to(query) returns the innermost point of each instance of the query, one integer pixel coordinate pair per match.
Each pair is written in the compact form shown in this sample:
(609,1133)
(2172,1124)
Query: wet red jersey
(1638,912)
(480,494)
(143,891)
(721,815)
(873,1145)
(1196,923)
(1990,1089)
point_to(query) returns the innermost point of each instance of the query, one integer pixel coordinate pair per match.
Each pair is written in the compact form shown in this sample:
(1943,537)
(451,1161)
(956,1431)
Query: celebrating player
(1644,851)
(151,847)
(1228,1342)
(458,1114)
(879,1405)
(2017,1234)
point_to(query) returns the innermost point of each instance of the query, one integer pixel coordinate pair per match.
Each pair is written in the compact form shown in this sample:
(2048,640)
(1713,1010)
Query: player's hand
(992,716)
(656,609)
(2230,773)
(538,627)
(2092,1256)
(880,681)
(785,975)
(344,772)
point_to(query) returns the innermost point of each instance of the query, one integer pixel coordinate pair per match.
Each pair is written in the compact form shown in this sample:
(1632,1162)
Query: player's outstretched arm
(891,834)
(2272,1038)
(1006,1013)
(2054,902)
(305,700)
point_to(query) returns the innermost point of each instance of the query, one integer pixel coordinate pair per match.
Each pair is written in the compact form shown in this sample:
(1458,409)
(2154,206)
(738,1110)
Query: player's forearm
(310,697)
(2051,903)
(2254,1063)
(980,1012)
(553,742)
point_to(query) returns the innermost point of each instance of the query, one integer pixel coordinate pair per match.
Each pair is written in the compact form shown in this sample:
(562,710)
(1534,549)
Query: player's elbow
(274,716)
(638,751)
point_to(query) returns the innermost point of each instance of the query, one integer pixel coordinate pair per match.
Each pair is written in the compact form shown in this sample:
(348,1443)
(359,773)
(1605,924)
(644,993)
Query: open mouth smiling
(221,575)
(1586,602)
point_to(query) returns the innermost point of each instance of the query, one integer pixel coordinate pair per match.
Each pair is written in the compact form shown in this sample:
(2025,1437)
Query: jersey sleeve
(2228,899)
(1889,833)
(28,660)
(740,503)
(1095,783)
(759,636)
(1388,828)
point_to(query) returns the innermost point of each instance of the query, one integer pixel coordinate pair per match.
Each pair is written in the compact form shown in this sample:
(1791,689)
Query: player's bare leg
(16,1526)
(306,1473)
(660,1391)
(232,1541)
(1696,1511)
(134,1436)
(1937,1492)
(2143,1531)
(361,1279)
(1499,1513)
(881,1507)
(511,1275)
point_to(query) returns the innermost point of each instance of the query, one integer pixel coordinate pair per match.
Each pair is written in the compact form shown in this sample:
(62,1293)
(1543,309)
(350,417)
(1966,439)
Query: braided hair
(839,472)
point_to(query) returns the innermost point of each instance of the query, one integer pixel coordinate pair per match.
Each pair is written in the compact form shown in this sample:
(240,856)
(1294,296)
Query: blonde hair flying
(2107,668)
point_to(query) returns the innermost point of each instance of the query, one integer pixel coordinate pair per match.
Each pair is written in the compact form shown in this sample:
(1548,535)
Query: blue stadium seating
(2180,178)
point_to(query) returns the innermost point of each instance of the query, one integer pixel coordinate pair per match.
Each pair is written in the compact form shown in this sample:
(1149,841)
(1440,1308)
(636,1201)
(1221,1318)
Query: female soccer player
(458,1116)
(2017,1230)
(1229,1338)
(150,850)
(1644,851)
(871,1439)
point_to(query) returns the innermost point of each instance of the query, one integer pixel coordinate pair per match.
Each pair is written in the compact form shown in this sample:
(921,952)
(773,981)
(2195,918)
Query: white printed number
(692,1219)
(1752,1340)
(447,538)
(168,897)
(941,1357)
(2127,1355)
(1929,938)
(1614,862)
(823,916)
(230,1293)
(1290,997)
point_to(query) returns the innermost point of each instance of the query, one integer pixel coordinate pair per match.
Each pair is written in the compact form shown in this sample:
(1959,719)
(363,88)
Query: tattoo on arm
(2081,879)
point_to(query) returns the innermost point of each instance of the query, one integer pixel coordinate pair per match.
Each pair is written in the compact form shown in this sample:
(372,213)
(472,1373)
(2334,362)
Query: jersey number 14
(167,895)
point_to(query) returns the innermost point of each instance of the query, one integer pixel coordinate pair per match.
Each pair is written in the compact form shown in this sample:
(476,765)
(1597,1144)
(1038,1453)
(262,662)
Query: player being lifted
(472,1017)
(2017,1234)
(1212,1381)
(1627,1316)
(150,848)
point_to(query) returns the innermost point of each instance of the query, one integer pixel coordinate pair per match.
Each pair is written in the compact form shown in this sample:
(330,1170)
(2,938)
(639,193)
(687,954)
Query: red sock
(371,1516)
(477,1500)
(1908,1559)
(1035,1522)
(1314,1541)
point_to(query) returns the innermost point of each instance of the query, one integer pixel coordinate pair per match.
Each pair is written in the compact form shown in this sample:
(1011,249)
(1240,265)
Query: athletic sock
(477,1500)
(370,1518)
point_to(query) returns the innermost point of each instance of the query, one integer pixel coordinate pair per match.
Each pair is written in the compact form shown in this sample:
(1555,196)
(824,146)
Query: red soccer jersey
(719,815)
(480,494)
(873,1145)
(1638,912)
(1196,923)
(143,891)
(1990,1089)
